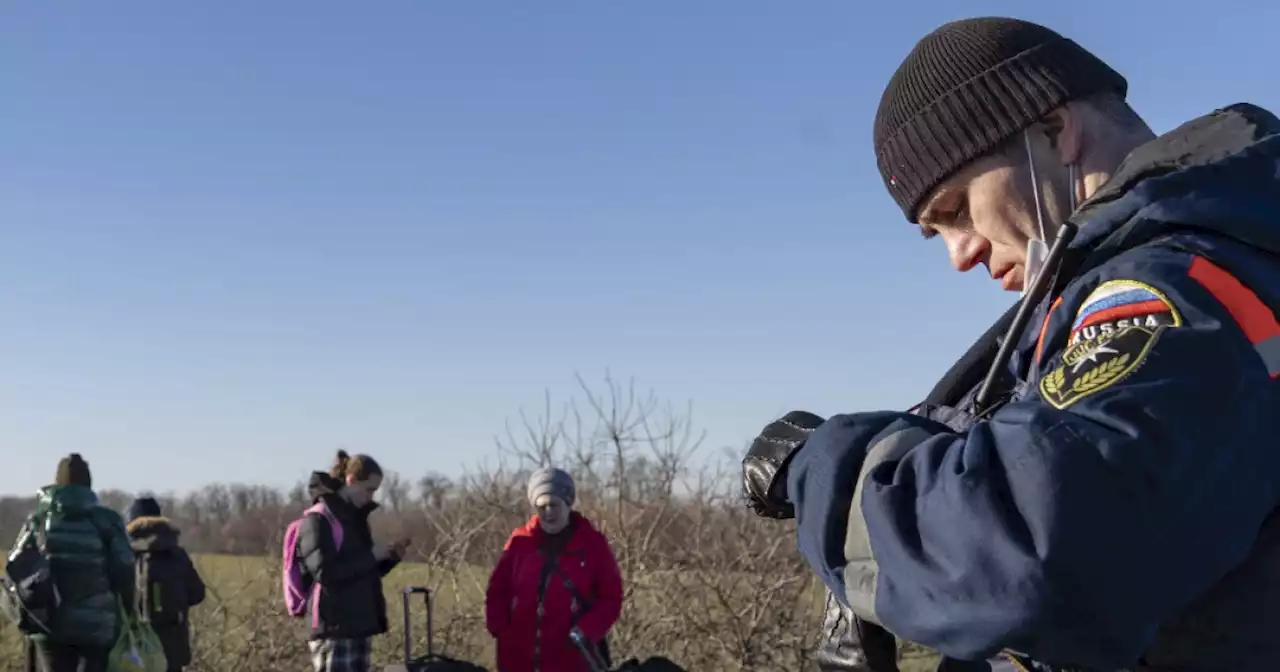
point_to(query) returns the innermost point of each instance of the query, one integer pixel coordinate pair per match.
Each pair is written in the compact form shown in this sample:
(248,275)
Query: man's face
(986,213)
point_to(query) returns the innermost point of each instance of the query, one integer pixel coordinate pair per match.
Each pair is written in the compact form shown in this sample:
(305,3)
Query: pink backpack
(298,585)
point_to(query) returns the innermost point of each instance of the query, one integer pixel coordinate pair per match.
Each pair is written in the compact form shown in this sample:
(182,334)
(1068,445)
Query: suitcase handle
(408,629)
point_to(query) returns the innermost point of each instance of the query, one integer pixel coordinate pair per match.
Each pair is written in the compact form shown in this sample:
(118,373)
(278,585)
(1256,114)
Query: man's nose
(966,249)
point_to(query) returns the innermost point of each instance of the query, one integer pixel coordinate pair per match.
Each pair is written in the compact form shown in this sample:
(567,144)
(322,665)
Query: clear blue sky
(237,235)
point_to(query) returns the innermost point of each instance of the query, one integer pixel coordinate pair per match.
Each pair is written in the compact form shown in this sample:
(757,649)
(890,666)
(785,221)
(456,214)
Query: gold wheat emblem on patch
(1105,373)
(1089,368)
(1052,383)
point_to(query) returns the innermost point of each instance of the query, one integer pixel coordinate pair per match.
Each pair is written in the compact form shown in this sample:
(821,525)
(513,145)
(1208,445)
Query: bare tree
(394,491)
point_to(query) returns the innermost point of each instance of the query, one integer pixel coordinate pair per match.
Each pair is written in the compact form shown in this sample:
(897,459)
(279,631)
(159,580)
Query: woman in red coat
(557,572)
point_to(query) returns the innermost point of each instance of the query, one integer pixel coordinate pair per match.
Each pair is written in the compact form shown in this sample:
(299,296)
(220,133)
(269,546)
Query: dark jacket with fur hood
(351,601)
(155,541)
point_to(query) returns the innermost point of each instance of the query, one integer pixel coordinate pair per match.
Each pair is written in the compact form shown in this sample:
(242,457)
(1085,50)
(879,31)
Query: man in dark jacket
(92,567)
(1113,506)
(168,583)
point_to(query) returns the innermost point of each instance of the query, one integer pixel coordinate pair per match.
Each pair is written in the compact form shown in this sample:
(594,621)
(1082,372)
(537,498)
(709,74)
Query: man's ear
(1065,133)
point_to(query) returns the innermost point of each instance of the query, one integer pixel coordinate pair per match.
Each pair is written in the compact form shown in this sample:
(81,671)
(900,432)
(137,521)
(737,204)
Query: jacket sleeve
(194,583)
(320,556)
(387,564)
(120,558)
(498,594)
(1073,521)
(606,594)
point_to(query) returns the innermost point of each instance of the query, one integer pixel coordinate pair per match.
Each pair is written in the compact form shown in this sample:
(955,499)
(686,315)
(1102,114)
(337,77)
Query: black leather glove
(850,644)
(764,469)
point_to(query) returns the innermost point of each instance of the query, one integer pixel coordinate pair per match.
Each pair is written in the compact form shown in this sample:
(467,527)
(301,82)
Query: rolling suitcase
(431,662)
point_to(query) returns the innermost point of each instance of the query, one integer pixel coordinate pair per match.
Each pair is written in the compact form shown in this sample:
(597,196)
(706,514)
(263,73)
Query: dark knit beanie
(143,507)
(969,86)
(73,470)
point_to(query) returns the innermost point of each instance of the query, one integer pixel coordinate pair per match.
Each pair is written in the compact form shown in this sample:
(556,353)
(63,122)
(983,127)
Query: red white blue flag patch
(1118,304)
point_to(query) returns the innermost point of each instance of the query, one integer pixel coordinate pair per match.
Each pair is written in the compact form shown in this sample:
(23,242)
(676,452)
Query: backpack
(28,594)
(161,581)
(298,583)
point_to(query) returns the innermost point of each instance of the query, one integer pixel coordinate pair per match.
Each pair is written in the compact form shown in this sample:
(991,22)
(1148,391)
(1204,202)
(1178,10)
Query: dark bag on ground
(28,595)
(654,664)
(432,661)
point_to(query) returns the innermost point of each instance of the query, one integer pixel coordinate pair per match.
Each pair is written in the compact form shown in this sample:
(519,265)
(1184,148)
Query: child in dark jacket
(352,608)
(168,583)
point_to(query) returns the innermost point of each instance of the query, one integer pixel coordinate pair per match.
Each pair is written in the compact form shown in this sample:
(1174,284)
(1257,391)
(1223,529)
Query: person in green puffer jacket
(92,566)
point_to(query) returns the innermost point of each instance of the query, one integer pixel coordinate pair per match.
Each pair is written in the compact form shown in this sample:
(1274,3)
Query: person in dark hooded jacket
(352,608)
(168,583)
(92,567)
(1110,500)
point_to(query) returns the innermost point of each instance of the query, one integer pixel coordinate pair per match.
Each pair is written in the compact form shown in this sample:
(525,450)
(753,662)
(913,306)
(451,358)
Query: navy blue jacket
(1117,507)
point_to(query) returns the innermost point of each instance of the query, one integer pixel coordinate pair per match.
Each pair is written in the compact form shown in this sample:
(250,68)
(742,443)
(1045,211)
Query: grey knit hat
(551,481)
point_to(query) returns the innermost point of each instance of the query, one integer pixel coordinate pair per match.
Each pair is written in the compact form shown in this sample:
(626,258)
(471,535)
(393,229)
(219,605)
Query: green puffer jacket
(91,562)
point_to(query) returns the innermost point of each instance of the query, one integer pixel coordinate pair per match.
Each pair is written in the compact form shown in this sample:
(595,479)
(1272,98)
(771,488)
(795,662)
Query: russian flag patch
(1118,304)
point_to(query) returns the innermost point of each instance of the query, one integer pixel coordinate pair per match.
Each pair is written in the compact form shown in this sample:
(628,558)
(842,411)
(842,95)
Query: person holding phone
(352,608)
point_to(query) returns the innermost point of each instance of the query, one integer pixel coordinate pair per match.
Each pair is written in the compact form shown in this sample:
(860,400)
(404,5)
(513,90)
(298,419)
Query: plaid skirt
(341,655)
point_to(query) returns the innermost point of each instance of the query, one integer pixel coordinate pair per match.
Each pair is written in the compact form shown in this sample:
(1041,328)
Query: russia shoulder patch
(1117,304)
(1091,366)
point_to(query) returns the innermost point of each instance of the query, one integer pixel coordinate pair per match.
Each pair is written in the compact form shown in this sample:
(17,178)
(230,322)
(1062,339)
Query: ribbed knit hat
(551,481)
(969,86)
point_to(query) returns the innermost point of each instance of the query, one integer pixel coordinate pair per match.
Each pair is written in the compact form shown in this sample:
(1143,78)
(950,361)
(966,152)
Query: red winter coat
(511,601)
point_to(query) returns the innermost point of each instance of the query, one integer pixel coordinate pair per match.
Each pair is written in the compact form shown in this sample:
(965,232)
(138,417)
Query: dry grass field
(707,583)
(243,628)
